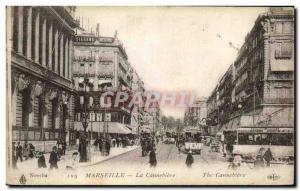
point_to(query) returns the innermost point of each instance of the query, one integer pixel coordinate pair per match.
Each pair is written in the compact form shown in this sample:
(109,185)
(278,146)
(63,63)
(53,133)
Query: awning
(113,127)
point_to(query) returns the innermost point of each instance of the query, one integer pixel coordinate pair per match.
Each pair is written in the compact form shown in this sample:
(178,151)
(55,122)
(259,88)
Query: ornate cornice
(39,71)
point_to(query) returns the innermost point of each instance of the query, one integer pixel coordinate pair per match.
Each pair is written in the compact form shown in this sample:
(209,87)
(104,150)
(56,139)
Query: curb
(109,158)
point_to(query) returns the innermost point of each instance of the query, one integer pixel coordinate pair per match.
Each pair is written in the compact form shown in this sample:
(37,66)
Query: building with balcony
(40,52)
(137,114)
(104,63)
(262,90)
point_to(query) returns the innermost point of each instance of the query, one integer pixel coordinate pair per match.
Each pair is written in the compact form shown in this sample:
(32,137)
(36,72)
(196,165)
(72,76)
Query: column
(29,33)
(37,37)
(45,116)
(56,51)
(20,29)
(31,114)
(57,116)
(14,105)
(50,49)
(44,41)
(61,62)
(66,58)
(70,58)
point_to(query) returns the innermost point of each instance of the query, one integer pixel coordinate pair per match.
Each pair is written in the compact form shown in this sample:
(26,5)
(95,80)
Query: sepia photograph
(150,95)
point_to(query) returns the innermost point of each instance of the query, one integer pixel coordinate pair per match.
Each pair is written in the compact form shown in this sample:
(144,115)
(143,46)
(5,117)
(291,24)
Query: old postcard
(161,95)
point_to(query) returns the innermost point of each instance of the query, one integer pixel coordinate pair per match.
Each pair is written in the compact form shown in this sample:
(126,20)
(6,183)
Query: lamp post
(85,117)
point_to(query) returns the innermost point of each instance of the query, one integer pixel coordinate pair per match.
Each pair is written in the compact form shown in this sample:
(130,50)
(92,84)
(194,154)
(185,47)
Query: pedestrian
(41,160)
(59,147)
(31,150)
(107,146)
(152,158)
(26,151)
(100,142)
(14,156)
(19,152)
(54,158)
(231,163)
(64,147)
(259,162)
(268,157)
(96,142)
(189,159)
(82,150)
(113,141)
(118,141)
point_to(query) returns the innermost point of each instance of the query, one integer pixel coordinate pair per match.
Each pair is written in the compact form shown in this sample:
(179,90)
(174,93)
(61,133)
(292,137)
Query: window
(287,27)
(278,27)
(283,27)
(283,51)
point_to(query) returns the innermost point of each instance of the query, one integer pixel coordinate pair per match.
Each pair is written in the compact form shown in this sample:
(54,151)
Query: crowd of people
(27,151)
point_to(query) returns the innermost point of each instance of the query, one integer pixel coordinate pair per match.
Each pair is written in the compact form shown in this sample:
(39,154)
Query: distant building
(137,114)
(196,115)
(40,48)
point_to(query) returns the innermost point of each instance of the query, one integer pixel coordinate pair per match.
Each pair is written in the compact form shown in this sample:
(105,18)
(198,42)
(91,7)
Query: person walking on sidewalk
(118,141)
(107,146)
(64,147)
(31,150)
(100,142)
(82,150)
(14,156)
(53,158)
(59,146)
(26,151)
(19,152)
(152,158)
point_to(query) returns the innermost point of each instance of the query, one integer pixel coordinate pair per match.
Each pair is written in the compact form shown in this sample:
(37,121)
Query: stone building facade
(262,91)
(104,63)
(40,51)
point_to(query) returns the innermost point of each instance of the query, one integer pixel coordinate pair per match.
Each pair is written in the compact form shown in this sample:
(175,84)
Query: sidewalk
(67,159)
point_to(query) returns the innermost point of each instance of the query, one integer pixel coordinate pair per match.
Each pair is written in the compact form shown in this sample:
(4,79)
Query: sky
(176,48)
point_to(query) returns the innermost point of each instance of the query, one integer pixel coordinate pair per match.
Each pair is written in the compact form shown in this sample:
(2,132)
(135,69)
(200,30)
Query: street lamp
(85,115)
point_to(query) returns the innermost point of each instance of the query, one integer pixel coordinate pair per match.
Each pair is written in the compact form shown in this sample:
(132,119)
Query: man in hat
(19,152)
(53,158)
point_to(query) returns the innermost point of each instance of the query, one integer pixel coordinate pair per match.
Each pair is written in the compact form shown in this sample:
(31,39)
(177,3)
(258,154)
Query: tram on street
(248,142)
(192,137)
